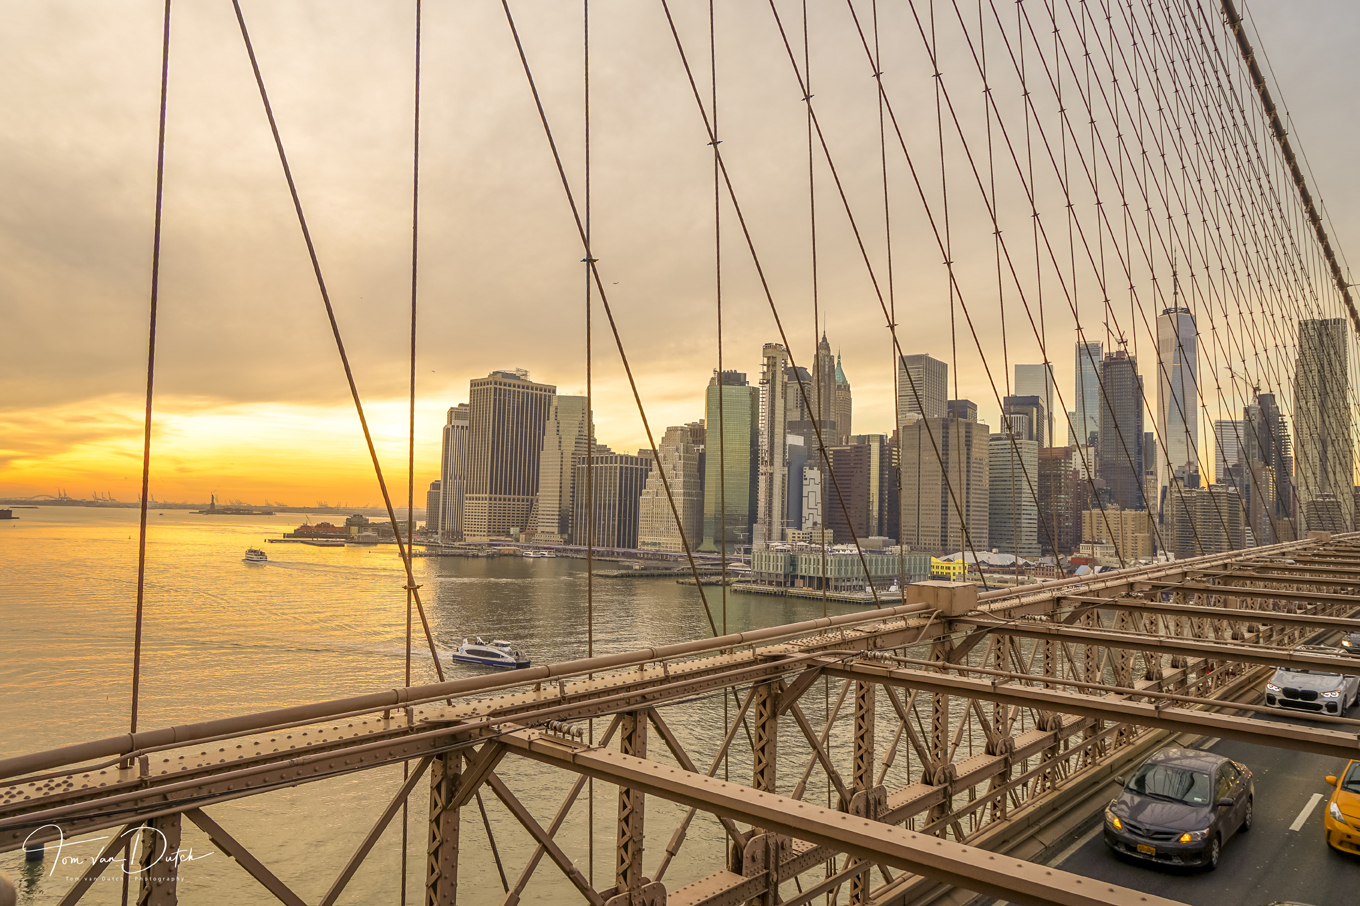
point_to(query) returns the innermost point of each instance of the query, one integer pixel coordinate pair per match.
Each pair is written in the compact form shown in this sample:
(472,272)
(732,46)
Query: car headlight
(1192,836)
(1346,642)
(1335,693)
(1335,811)
(1111,817)
(1271,687)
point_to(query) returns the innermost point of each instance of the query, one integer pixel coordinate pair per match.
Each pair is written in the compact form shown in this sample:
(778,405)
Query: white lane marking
(1207,744)
(1307,810)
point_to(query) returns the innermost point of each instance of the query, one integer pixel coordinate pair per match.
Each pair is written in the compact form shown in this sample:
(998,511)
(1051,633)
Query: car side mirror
(1331,780)
(1120,779)
(1226,800)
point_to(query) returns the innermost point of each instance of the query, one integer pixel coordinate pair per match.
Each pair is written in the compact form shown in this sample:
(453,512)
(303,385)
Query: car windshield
(1351,782)
(1173,784)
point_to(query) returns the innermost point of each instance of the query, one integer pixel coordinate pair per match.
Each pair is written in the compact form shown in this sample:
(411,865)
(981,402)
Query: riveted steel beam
(1020,882)
(1241,615)
(1116,707)
(1164,644)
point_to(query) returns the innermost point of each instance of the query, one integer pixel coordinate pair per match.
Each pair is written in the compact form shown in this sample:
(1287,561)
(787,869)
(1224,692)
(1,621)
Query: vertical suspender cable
(150,373)
(402,543)
(411,428)
(590,434)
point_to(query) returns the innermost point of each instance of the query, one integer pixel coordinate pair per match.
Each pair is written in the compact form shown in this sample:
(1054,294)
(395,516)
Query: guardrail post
(863,774)
(158,862)
(441,854)
(939,772)
(628,878)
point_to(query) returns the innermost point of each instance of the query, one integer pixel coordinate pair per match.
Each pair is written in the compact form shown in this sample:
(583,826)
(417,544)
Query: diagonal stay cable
(335,330)
(608,310)
(150,369)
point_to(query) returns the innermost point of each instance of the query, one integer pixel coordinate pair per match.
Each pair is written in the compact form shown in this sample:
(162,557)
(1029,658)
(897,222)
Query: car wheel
(1246,817)
(1215,850)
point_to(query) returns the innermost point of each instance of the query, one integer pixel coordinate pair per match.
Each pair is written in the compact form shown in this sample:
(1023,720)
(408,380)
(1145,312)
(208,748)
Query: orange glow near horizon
(294,455)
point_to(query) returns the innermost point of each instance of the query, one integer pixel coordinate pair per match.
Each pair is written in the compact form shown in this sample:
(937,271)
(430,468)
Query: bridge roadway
(1284,857)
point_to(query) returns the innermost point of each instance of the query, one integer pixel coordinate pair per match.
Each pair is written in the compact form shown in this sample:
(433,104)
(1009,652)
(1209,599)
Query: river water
(223,637)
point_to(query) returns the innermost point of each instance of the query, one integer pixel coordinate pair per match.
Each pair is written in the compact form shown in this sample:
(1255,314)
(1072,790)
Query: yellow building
(951,570)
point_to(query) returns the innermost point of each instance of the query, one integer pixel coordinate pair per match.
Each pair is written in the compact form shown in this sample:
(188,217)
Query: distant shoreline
(14,502)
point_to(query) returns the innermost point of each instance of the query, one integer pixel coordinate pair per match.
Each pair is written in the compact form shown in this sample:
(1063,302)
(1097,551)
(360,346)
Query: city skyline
(247,377)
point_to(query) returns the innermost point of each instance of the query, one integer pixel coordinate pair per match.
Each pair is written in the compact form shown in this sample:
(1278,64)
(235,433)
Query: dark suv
(1180,807)
(1350,644)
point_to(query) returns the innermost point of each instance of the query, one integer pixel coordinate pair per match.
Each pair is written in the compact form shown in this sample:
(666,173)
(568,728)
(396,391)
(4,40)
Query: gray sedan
(1180,807)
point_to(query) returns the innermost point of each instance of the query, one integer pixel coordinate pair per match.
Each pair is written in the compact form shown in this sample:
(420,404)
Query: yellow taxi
(1342,818)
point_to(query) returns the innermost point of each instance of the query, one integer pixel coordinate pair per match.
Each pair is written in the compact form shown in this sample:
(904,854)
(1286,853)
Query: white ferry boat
(497,653)
(540,555)
(255,555)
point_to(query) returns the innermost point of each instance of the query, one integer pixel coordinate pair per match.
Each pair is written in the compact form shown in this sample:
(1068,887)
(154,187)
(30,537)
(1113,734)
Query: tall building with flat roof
(1085,419)
(1228,438)
(922,387)
(618,481)
(944,466)
(432,513)
(1177,399)
(453,473)
(565,437)
(773,476)
(1120,451)
(1063,493)
(505,442)
(732,458)
(1028,418)
(1325,454)
(1012,495)
(1037,380)
(683,462)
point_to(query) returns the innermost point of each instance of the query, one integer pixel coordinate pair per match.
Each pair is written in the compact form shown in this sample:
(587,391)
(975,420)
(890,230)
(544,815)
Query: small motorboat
(496,653)
(255,555)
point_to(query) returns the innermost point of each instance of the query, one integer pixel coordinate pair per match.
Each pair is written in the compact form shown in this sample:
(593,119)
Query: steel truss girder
(1115,707)
(1240,614)
(942,860)
(1162,644)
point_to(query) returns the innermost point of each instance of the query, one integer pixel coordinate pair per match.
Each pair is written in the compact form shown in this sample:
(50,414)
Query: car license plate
(1144,848)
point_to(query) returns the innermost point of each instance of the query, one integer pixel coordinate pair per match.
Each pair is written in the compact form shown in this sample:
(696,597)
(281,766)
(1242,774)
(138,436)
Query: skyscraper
(732,420)
(453,473)
(771,517)
(505,440)
(1027,418)
(824,390)
(1322,427)
(618,480)
(565,436)
(1037,380)
(1177,399)
(1063,495)
(683,463)
(432,508)
(1086,418)
(1228,438)
(1012,488)
(944,463)
(922,386)
(1120,450)
(1266,444)
(842,408)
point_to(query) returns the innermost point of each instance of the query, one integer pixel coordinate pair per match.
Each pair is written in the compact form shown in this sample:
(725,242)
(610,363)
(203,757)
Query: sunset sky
(251,401)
